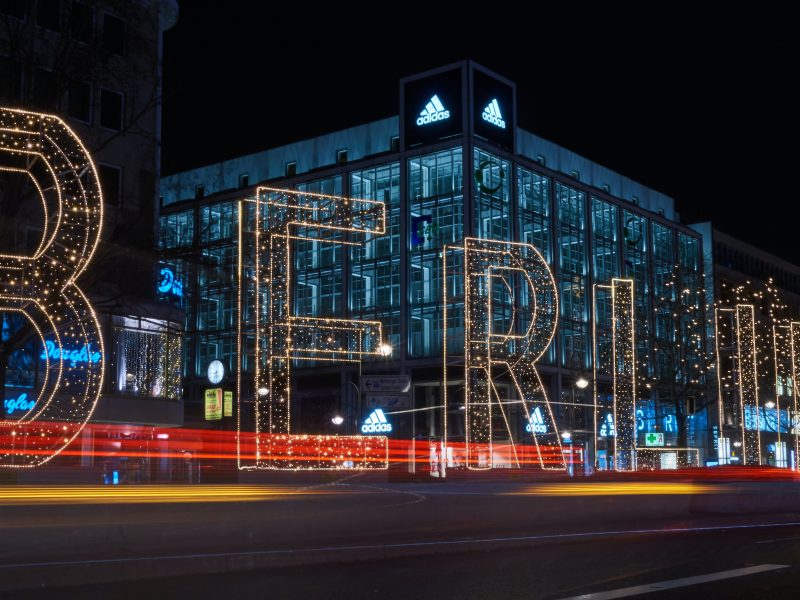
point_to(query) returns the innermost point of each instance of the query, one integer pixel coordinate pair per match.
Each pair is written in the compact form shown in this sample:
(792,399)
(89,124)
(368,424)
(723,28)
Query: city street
(370,539)
(397,303)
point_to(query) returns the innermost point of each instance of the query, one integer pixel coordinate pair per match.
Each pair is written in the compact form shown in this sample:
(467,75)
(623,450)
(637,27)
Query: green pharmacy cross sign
(654,439)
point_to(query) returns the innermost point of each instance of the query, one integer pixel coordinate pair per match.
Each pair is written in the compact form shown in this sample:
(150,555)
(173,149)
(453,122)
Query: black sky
(701,106)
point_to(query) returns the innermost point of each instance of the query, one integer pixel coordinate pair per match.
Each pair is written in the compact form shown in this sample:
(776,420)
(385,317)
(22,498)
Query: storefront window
(146,357)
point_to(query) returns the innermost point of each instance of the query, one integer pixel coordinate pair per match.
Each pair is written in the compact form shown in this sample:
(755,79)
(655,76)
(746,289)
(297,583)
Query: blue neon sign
(607,429)
(376,422)
(75,355)
(18,404)
(536,422)
(169,284)
(669,423)
(766,419)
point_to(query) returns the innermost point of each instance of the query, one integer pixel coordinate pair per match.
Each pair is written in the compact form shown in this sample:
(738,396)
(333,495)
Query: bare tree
(47,60)
(681,359)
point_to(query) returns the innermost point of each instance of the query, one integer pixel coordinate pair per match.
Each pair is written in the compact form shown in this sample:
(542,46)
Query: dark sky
(701,106)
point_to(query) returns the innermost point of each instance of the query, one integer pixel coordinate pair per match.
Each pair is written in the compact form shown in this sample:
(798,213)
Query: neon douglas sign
(75,356)
(169,284)
(18,404)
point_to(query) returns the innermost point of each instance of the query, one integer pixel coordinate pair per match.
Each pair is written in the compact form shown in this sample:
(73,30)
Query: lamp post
(357,388)
(581,383)
(768,406)
(567,437)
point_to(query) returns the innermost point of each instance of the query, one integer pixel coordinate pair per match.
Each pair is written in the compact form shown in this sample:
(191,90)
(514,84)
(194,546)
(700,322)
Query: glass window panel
(572,282)
(492,192)
(435,219)
(533,206)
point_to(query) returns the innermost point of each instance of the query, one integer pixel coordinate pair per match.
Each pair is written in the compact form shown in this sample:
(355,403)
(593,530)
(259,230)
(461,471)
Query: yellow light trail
(631,488)
(153,494)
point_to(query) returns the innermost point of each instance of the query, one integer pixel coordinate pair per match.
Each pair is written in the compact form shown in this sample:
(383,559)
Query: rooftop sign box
(432,108)
(493,109)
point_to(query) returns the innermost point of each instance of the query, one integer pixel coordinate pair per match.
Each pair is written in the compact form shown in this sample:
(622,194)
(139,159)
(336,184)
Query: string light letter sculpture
(490,354)
(725,348)
(54,313)
(748,380)
(794,423)
(624,357)
(785,339)
(736,357)
(620,423)
(275,220)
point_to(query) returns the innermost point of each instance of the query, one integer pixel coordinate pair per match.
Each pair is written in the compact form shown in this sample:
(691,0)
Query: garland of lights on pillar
(619,425)
(269,224)
(41,287)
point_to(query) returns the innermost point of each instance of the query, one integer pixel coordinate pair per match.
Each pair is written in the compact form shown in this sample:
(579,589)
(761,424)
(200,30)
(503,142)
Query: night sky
(702,107)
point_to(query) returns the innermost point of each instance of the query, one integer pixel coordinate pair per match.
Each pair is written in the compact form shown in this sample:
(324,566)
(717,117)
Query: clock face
(216,371)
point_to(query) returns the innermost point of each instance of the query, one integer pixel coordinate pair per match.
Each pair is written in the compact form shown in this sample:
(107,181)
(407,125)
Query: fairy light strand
(794,342)
(744,370)
(624,371)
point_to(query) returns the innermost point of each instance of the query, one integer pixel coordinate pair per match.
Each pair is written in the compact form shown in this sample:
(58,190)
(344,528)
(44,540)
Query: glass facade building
(463,176)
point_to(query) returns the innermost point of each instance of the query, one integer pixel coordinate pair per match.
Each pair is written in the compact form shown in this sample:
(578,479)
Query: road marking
(677,583)
(777,540)
(384,547)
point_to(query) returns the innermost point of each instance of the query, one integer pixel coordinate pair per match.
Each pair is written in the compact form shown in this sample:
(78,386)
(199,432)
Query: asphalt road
(366,540)
(557,569)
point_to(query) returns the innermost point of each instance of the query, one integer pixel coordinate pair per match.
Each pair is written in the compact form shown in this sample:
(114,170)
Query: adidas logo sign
(536,424)
(376,423)
(434,111)
(492,114)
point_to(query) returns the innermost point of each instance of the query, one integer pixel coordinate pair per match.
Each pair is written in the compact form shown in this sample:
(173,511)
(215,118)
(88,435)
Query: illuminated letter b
(41,305)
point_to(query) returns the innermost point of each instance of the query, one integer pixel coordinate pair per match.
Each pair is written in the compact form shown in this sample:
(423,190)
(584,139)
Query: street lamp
(567,437)
(337,420)
(769,404)
(581,383)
